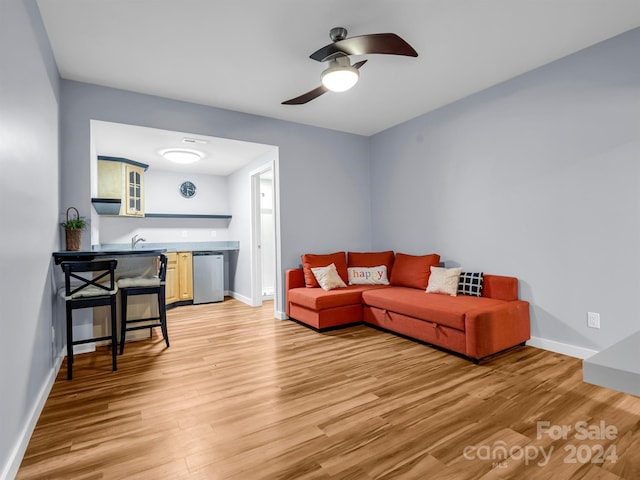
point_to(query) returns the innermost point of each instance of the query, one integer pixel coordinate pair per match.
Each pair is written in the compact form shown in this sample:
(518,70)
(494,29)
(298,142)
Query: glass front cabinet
(122,179)
(134,200)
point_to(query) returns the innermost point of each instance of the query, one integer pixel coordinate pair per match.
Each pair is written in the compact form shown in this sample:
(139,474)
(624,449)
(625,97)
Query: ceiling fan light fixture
(181,155)
(340,76)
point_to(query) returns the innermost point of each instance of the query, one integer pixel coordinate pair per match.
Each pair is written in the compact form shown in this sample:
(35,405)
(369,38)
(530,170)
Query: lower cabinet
(172,286)
(179,281)
(185,274)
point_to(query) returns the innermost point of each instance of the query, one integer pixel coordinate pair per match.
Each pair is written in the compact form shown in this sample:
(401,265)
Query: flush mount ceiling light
(194,140)
(181,155)
(340,76)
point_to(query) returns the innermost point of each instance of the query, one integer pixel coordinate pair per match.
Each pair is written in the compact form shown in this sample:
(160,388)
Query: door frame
(256,257)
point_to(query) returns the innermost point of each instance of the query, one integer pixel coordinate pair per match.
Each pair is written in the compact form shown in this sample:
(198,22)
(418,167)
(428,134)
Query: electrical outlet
(213,233)
(593,320)
(183,233)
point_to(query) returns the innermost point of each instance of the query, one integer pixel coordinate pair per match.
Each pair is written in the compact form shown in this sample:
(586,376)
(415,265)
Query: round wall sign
(187,189)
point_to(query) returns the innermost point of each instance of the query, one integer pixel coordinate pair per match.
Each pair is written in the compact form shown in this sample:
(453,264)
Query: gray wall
(536,178)
(324,174)
(29,218)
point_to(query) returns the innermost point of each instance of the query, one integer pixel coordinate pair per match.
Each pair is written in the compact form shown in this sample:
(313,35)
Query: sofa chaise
(476,320)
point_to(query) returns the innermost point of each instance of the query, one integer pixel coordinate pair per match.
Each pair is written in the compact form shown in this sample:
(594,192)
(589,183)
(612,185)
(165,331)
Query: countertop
(169,247)
(143,249)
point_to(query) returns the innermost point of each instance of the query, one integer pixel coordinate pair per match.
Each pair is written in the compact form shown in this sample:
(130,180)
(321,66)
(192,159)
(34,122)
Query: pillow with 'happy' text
(368,275)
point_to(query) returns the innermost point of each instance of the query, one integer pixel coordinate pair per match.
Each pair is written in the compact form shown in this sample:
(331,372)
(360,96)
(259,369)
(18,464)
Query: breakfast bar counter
(131,263)
(86,255)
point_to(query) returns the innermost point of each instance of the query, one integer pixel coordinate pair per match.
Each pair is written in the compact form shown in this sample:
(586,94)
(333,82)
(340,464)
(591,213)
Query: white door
(264,281)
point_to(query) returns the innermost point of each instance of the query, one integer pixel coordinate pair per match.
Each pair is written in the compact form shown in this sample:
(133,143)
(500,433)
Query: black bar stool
(95,288)
(144,286)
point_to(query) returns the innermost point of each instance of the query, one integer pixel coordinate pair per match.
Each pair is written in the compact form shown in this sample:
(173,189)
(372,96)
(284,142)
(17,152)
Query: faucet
(135,240)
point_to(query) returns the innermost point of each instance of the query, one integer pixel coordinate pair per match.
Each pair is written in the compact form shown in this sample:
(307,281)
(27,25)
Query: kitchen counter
(169,247)
(143,249)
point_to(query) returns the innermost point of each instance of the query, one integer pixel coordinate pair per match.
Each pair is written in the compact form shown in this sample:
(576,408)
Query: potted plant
(73,229)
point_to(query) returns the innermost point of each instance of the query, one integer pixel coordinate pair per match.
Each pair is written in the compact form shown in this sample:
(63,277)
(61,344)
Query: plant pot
(73,238)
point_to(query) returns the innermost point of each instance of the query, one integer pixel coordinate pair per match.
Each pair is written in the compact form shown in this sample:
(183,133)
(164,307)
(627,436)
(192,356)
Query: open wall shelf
(183,215)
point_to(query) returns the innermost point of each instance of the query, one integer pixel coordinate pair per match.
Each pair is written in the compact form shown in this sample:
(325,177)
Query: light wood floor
(240,395)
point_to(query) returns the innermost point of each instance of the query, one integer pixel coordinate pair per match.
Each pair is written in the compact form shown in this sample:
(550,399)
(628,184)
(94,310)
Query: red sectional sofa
(474,326)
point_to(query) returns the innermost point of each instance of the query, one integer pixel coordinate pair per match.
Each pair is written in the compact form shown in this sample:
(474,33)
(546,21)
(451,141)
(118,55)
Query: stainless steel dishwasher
(208,277)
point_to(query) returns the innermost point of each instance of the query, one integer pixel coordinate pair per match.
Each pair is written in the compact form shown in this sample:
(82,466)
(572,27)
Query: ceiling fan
(340,74)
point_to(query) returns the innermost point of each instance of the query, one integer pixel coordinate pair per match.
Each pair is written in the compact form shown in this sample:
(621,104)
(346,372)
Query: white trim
(256,264)
(242,298)
(15,458)
(254,229)
(279,287)
(563,348)
(83,348)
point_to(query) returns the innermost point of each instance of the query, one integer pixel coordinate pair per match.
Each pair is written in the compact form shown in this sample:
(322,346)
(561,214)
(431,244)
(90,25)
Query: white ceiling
(221,156)
(250,55)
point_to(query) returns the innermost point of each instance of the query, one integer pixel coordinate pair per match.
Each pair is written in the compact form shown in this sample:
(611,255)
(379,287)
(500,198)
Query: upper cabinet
(120,187)
(127,188)
(134,200)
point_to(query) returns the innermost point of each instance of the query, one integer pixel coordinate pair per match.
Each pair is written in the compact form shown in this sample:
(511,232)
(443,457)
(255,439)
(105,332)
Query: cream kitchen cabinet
(185,274)
(179,281)
(172,286)
(122,179)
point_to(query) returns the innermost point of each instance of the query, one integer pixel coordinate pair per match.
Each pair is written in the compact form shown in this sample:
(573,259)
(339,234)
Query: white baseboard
(83,348)
(563,348)
(242,298)
(10,470)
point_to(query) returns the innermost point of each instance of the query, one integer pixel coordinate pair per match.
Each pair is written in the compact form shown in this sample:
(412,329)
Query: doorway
(267,236)
(263,235)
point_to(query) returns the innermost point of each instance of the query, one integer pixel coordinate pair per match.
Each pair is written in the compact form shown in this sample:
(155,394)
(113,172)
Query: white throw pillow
(328,277)
(368,275)
(444,280)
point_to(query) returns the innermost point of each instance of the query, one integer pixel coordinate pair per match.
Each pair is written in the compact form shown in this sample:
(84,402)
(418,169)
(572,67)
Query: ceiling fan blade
(359,64)
(307,97)
(384,43)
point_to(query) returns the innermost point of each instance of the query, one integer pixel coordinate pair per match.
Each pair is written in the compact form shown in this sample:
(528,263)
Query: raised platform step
(616,367)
